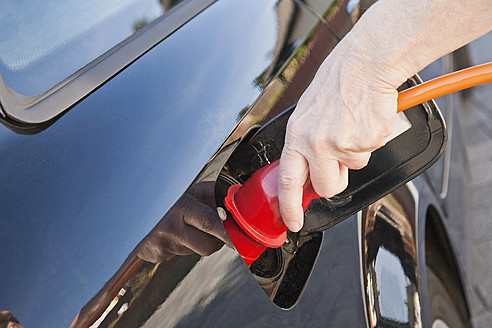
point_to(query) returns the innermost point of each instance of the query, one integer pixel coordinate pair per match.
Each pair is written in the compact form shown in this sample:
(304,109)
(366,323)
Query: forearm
(409,35)
(349,108)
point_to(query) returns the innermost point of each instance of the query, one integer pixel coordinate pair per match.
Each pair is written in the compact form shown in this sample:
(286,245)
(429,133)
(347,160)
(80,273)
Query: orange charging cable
(408,98)
(443,85)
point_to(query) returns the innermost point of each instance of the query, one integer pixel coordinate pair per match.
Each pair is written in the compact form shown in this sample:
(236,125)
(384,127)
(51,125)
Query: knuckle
(360,161)
(356,165)
(287,183)
(381,143)
(208,222)
(381,136)
(152,254)
(386,130)
(201,216)
(373,140)
(293,140)
(319,144)
(294,130)
(344,144)
(290,211)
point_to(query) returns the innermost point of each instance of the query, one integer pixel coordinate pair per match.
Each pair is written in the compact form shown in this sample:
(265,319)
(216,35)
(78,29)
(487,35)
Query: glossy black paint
(127,137)
(77,198)
(31,111)
(390,260)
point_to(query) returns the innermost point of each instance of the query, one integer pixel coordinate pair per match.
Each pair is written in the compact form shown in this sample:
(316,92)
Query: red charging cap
(254,209)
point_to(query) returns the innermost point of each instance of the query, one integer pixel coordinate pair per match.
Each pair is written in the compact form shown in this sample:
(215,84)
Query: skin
(349,108)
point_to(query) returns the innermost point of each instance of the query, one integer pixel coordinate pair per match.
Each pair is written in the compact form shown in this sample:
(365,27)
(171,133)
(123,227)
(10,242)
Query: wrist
(398,38)
(383,65)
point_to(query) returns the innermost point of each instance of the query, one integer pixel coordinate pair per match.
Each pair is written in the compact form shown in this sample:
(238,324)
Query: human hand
(192,225)
(347,111)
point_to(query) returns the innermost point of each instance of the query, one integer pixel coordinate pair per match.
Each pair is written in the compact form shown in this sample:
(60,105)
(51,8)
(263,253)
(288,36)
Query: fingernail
(293,226)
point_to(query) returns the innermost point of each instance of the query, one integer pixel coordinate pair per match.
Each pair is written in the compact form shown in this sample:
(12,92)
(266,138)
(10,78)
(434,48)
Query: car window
(41,45)
(55,53)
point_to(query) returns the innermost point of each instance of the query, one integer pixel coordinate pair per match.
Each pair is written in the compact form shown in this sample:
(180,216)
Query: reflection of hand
(347,112)
(190,226)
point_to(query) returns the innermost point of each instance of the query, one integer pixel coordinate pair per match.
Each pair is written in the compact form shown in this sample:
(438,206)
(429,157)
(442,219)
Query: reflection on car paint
(191,226)
(283,89)
(389,257)
(136,144)
(41,47)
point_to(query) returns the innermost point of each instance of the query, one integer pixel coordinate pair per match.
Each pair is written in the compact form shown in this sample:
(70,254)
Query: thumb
(293,173)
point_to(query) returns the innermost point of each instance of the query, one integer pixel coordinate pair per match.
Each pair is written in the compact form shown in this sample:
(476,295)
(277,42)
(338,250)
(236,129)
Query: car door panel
(96,181)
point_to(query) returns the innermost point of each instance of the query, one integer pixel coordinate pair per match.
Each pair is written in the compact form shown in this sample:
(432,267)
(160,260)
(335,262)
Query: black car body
(90,165)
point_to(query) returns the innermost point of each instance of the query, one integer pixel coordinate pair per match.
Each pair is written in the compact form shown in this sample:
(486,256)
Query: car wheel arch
(440,257)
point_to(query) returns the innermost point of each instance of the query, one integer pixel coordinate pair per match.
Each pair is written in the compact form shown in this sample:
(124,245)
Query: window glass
(44,42)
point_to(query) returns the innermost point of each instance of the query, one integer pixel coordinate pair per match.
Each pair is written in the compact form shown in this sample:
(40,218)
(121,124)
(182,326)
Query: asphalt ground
(477,129)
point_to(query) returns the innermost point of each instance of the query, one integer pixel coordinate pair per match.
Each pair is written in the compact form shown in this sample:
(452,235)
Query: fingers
(204,192)
(190,226)
(204,218)
(199,227)
(198,241)
(355,161)
(293,173)
(346,112)
(328,177)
